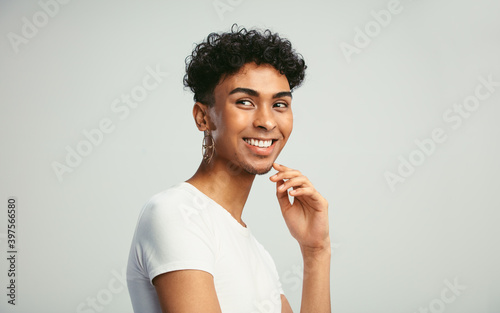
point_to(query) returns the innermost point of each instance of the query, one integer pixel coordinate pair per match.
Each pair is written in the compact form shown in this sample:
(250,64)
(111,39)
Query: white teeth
(259,143)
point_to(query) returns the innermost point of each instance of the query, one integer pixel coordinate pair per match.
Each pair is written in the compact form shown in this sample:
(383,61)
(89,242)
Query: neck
(224,184)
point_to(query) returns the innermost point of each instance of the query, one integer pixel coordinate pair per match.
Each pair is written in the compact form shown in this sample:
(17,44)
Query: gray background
(394,249)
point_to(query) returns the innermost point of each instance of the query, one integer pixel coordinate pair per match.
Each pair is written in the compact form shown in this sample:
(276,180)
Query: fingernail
(281,187)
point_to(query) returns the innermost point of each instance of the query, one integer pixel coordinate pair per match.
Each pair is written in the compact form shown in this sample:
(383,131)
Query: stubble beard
(255,171)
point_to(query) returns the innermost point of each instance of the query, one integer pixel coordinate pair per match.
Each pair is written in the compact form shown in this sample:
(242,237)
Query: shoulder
(179,207)
(172,219)
(179,199)
(170,236)
(177,194)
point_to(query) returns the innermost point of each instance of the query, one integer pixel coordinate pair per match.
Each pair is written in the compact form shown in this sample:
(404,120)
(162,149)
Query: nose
(264,118)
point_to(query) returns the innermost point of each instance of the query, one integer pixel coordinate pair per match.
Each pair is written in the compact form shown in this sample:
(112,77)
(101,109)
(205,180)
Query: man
(191,250)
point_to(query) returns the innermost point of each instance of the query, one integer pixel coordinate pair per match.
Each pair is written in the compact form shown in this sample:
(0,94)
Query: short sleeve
(174,233)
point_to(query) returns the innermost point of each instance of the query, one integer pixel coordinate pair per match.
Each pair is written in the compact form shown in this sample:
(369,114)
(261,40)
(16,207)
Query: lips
(260,146)
(261,143)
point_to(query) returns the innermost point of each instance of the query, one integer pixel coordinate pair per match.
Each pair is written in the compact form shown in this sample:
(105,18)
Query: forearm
(316,282)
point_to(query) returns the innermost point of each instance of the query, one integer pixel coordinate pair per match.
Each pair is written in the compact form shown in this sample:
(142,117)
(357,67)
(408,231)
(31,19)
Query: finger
(312,196)
(277,167)
(284,172)
(305,191)
(280,167)
(282,196)
(285,175)
(296,182)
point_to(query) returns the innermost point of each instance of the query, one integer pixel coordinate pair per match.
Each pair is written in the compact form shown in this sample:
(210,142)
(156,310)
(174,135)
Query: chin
(257,170)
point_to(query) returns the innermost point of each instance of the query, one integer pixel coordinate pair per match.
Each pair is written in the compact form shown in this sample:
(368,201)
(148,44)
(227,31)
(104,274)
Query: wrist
(318,251)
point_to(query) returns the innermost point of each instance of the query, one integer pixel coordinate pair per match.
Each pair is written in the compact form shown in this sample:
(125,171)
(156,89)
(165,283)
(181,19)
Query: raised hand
(307,216)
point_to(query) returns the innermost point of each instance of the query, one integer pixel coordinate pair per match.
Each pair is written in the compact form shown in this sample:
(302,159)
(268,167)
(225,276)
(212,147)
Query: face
(251,119)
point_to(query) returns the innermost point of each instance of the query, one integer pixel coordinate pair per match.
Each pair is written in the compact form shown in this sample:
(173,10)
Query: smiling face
(251,119)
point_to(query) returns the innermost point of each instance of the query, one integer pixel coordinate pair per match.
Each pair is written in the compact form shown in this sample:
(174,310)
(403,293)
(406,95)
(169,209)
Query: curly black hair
(224,54)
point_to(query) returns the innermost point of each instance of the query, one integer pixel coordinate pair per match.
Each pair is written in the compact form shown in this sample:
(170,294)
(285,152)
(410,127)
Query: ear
(201,118)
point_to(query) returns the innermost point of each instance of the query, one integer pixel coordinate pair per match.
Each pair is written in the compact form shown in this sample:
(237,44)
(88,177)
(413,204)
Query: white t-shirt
(182,228)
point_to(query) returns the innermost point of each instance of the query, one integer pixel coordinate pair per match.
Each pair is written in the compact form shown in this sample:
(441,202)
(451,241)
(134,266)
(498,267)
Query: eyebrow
(255,93)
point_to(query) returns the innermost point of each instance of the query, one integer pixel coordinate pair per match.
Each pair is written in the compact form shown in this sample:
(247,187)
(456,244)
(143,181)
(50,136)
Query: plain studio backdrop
(396,125)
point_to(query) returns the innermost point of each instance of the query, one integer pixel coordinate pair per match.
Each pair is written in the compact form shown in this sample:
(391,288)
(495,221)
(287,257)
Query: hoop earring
(208,147)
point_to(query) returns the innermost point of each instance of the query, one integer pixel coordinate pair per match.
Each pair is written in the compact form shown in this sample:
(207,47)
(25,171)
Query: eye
(244,102)
(280,105)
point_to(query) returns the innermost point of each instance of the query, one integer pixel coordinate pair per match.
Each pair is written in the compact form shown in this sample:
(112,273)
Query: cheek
(228,126)
(287,125)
